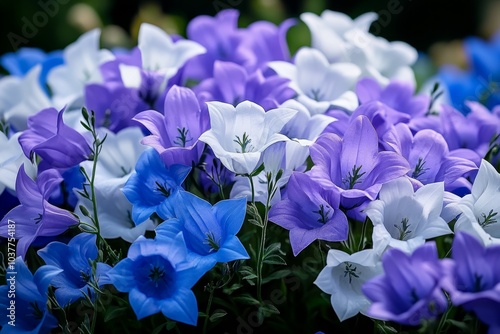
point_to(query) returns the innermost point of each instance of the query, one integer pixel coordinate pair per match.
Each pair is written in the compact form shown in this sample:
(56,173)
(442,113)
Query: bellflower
(175,134)
(35,216)
(480,81)
(32,315)
(232,84)
(473,278)
(430,159)
(160,54)
(410,290)
(328,29)
(481,207)
(59,145)
(19,63)
(404,219)
(209,231)
(11,158)
(320,85)
(353,164)
(397,95)
(240,134)
(115,165)
(21,98)
(309,212)
(154,186)
(343,277)
(159,278)
(74,262)
(81,66)
(342,39)
(159,59)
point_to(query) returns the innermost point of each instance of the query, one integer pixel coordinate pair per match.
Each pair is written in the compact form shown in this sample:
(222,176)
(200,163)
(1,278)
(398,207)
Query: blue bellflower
(209,231)
(30,297)
(159,279)
(154,186)
(75,260)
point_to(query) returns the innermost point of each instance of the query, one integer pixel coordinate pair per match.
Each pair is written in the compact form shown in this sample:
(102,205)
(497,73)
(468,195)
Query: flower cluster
(205,170)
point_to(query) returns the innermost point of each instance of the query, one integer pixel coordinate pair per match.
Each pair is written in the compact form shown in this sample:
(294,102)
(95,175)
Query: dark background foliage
(418,22)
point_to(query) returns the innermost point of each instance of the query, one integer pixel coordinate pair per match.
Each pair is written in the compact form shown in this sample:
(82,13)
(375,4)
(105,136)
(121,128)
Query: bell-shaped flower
(21,98)
(158,278)
(410,290)
(353,164)
(343,278)
(480,209)
(74,261)
(238,135)
(35,216)
(159,52)
(319,84)
(59,145)
(404,219)
(430,159)
(328,29)
(232,84)
(472,278)
(31,298)
(154,187)
(11,159)
(174,135)
(115,165)
(309,212)
(209,231)
(81,66)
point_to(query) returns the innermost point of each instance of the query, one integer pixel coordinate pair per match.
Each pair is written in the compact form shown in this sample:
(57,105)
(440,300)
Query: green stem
(252,187)
(361,244)
(207,312)
(260,259)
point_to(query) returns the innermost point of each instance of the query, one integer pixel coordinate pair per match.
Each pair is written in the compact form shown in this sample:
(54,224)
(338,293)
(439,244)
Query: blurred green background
(53,24)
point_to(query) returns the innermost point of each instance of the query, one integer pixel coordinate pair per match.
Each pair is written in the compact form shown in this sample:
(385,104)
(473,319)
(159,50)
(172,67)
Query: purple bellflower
(35,216)
(310,213)
(232,84)
(353,164)
(410,290)
(59,145)
(473,278)
(430,159)
(175,134)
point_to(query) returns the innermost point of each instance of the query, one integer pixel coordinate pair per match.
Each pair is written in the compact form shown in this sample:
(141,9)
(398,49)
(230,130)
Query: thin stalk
(207,311)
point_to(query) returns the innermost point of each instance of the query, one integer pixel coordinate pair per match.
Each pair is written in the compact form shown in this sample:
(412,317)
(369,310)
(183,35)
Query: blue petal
(142,305)
(121,275)
(231,250)
(44,276)
(230,214)
(181,307)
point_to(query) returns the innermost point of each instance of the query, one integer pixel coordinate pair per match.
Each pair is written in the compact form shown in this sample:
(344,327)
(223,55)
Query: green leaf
(258,170)
(256,222)
(246,299)
(381,327)
(273,248)
(275,259)
(171,324)
(268,310)
(459,324)
(279,274)
(115,312)
(232,288)
(217,315)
